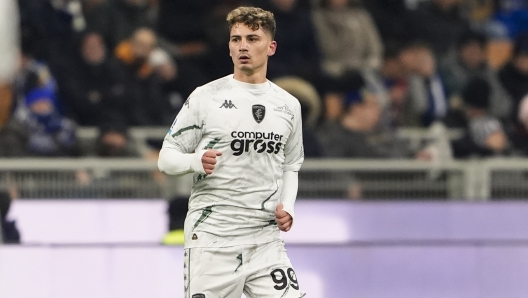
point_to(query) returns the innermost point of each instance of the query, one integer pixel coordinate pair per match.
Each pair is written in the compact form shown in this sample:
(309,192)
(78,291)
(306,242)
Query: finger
(207,166)
(286,226)
(281,214)
(208,172)
(283,220)
(279,207)
(214,153)
(209,160)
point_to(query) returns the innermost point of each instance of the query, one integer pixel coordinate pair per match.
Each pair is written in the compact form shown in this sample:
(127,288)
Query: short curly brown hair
(254,18)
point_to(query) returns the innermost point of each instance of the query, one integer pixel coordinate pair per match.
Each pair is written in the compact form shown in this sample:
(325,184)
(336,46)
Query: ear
(272,48)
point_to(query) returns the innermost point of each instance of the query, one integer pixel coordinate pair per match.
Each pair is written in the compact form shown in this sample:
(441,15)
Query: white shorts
(262,270)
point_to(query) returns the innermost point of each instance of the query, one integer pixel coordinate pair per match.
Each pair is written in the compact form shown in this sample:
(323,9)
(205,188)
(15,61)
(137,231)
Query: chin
(245,67)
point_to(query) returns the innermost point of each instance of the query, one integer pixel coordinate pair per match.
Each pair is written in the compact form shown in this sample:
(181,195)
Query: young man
(241,136)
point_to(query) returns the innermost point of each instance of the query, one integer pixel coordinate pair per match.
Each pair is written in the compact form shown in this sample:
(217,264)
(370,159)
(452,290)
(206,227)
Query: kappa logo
(259,111)
(228,105)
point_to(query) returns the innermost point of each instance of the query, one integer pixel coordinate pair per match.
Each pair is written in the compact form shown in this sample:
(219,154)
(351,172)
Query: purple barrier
(363,271)
(345,221)
(414,271)
(338,249)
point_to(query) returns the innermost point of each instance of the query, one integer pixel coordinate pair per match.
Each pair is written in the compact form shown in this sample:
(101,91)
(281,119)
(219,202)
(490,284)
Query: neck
(258,77)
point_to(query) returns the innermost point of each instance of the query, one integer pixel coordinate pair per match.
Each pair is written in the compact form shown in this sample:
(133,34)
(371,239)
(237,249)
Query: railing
(322,178)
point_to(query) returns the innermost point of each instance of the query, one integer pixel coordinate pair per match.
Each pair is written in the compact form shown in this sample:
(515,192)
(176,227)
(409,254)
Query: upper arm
(187,129)
(294,150)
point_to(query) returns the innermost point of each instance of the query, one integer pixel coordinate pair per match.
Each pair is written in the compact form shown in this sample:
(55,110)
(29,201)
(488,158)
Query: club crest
(259,111)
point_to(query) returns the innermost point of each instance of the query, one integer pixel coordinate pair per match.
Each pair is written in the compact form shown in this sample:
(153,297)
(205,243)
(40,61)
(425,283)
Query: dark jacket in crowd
(516,84)
(92,90)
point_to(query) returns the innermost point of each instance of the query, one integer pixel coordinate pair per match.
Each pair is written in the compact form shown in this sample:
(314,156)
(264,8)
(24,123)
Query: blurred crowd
(362,70)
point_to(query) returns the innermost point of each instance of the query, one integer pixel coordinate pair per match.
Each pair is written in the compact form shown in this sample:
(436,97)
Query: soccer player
(241,136)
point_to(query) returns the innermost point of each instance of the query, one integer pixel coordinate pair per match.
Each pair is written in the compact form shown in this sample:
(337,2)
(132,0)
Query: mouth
(243,59)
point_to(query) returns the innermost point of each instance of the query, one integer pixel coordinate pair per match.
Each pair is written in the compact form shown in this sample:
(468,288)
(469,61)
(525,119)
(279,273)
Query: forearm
(289,191)
(173,162)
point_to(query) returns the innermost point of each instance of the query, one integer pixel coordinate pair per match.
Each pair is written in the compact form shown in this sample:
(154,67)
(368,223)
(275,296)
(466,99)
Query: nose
(243,45)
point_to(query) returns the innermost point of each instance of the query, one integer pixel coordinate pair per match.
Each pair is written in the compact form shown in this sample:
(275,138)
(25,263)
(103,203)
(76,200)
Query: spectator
(144,91)
(334,94)
(217,33)
(513,15)
(173,89)
(441,24)
(393,19)
(181,24)
(299,54)
(469,60)
(183,33)
(484,134)
(427,98)
(38,129)
(482,16)
(9,231)
(310,112)
(514,75)
(95,84)
(348,37)
(114,140)
(354,135)
(390,84)
(518,132)
(116,20)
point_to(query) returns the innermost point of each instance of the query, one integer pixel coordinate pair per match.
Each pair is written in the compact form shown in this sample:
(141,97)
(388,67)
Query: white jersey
(258,130)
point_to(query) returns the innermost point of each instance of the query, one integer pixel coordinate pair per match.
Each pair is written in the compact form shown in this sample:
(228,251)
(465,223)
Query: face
(143,43)
(166,71)
(447,4)
(93,49)
(521,63)
(392,68)
(472,54)
(335,4)
(41,107)
(112,144)
(370,110)
(285,5)
(249,49)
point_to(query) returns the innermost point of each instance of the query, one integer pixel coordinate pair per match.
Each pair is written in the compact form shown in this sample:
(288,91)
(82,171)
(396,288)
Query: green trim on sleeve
(182,130)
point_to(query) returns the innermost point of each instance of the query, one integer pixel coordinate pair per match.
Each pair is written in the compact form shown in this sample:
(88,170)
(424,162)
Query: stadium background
(94,227)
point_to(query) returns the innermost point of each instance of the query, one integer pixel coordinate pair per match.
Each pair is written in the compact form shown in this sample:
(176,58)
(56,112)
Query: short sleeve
(294,150)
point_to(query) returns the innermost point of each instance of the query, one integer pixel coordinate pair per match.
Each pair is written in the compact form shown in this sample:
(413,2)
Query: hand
(209,160)
(284,219)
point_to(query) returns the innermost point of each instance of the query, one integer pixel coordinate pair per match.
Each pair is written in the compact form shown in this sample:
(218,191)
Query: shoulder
(207,92)
(216,86)
(286,96)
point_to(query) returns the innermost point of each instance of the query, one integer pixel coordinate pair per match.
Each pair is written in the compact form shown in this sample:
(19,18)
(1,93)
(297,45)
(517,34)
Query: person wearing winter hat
(484,135)
(38,129)
(518,132)
(514,75)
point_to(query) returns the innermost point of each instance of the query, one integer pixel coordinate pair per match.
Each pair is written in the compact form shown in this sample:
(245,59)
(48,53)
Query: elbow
(164,164)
